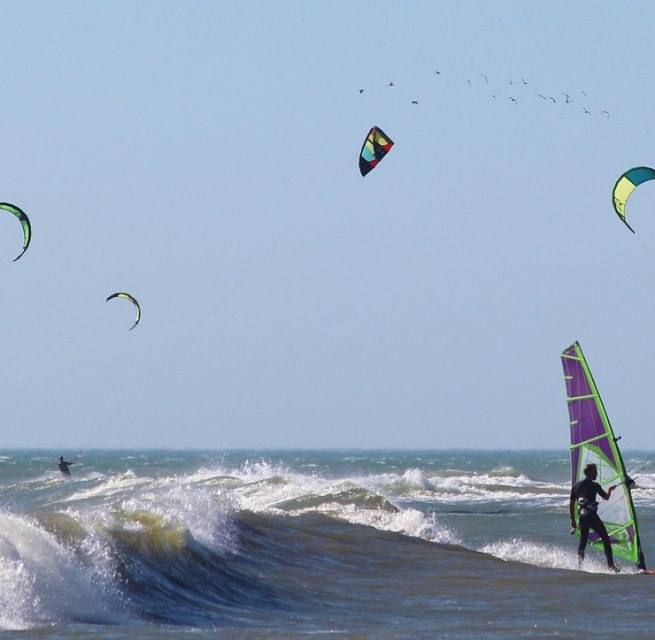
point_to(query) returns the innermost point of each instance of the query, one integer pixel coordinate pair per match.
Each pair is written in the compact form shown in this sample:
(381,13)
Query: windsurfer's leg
(598,526)
(583,525)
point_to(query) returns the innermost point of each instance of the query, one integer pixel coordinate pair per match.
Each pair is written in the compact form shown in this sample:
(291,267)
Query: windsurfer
(584,493)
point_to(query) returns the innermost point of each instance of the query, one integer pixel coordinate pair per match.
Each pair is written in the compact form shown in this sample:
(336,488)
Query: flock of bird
(520,91)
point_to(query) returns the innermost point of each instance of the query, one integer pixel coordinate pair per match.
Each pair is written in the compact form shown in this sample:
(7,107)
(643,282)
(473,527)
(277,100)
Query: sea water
(299,544)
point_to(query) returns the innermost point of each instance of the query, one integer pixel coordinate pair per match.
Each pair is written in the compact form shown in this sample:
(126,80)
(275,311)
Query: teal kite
(625,185)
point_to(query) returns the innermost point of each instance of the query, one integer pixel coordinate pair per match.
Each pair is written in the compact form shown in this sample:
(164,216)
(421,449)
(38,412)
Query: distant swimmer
(63,466)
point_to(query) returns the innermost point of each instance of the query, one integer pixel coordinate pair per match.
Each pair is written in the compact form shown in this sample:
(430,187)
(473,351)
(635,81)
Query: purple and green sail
(592,440)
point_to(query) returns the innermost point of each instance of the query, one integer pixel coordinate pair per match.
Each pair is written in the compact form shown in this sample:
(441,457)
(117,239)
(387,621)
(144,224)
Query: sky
(202,156)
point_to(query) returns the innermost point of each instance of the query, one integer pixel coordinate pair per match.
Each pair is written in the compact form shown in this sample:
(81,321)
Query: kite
(127,296)
(25,222)
(625,185)
(375,147)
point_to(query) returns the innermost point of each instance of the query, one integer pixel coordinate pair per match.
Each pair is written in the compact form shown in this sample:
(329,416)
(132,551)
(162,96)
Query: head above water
(590,470)
(61,458)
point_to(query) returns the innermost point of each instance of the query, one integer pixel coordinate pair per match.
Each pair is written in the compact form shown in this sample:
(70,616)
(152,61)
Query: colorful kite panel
(375,147)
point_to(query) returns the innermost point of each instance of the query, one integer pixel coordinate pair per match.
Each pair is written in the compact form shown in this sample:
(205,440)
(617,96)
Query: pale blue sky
(203,157)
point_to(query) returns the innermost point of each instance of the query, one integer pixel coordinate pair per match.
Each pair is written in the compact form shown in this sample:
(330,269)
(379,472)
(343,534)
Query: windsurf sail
(592,440)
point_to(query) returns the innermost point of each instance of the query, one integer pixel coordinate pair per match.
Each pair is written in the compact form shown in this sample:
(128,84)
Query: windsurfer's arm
(606,496)
(572,512)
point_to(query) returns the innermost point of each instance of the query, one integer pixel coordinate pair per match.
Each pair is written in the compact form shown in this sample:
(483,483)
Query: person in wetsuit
(63,466)
(584,493)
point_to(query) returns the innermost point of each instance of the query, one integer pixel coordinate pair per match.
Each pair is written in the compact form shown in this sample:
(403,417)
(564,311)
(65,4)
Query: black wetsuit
(585,492)
(63,467)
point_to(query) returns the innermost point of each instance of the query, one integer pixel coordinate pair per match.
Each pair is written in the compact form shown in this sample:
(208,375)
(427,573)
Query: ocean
(308,544)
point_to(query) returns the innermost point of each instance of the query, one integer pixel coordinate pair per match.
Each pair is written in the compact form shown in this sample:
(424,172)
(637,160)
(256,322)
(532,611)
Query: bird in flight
(362,91)
(414,101)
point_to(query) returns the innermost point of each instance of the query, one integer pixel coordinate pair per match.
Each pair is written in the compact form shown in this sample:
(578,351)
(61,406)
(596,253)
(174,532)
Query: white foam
(18,599)
(410,522)
(110,486)
(416,478)
(269,488)
(201,512)
(549,556)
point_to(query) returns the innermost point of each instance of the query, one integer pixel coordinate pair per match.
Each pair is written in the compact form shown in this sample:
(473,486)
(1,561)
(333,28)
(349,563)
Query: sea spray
(47,580)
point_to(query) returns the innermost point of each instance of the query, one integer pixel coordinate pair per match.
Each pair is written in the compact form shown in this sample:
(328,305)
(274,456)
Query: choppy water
(291,544)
